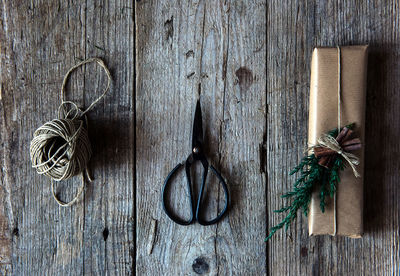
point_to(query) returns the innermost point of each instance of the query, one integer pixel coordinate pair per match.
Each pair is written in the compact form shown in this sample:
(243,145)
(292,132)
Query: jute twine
(61,148)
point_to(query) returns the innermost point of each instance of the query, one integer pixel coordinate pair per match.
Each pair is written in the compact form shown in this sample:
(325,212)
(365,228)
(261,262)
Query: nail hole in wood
(200,266)
(15,231)
(304,252)
(105,233)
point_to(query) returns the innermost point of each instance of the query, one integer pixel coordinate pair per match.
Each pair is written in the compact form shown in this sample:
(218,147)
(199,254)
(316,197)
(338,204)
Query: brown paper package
(323,117)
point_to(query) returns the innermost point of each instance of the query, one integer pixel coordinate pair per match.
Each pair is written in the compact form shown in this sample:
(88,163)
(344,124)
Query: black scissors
(196,155)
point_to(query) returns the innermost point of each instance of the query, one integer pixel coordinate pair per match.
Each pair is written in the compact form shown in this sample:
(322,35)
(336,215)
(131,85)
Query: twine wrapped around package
(60,149)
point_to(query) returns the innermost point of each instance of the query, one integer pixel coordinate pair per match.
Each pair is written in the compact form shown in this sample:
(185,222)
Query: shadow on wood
(381,138)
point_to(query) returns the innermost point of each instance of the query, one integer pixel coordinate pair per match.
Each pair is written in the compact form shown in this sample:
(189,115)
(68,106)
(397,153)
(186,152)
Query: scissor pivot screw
(196,150)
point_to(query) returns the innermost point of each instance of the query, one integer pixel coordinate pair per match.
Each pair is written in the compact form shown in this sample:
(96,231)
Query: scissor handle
(206,166)
(191,159)
(167,181)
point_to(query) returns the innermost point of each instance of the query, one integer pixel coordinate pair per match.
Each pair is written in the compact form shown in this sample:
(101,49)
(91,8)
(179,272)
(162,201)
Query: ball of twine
(60,149)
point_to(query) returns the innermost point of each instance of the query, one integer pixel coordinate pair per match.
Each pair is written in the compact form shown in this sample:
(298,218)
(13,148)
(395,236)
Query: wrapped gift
(338,70)
(329,184)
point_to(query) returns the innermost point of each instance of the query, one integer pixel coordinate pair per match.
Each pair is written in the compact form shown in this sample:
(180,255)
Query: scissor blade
(197,136)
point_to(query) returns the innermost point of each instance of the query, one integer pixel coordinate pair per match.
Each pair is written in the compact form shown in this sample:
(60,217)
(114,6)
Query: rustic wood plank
(294,29)
(377,24)
(169,46)
(288,58)
(217,48)
(240,242)
(109,209)
(36,53)
(40,41)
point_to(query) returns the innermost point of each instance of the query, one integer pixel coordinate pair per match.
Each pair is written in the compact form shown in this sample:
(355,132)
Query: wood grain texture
(215,50)
(168,38)
(40,41)
(294,29)
(255,123)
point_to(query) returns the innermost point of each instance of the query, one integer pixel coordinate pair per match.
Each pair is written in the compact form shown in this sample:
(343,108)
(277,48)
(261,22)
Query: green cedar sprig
(330,178)
(311,174)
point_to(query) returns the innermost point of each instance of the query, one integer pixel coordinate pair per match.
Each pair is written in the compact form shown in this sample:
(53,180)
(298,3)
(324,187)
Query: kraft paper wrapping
(323,117)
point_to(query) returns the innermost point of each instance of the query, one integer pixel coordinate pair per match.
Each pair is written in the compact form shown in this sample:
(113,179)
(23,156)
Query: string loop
(89,60)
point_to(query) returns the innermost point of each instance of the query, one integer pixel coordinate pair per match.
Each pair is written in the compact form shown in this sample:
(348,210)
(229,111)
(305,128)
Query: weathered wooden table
(249,61)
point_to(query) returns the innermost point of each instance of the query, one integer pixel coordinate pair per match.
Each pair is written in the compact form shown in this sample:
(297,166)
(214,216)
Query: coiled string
(61,148)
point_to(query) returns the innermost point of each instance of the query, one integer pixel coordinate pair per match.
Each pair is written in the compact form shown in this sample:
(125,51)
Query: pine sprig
(311,175)
(334,177)
(323,190)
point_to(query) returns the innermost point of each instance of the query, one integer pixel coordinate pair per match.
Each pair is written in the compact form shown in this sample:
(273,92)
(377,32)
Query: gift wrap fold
(344,213)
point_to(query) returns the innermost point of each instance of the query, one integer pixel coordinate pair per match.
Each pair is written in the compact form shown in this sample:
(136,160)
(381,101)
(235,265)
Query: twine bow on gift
(329,148)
